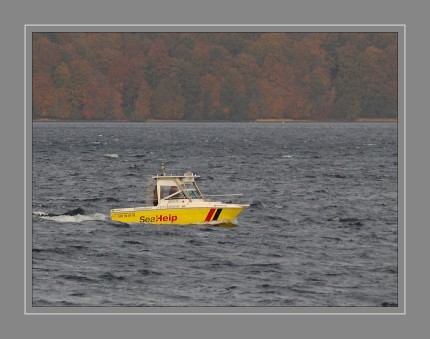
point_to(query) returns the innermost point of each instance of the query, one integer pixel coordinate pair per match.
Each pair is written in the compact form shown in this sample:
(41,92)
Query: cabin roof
(186,175)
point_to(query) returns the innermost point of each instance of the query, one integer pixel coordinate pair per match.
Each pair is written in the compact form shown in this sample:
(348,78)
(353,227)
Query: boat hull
(178,216)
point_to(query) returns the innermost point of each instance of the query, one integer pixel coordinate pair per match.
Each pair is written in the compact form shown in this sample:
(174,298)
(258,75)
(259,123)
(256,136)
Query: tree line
(214,76)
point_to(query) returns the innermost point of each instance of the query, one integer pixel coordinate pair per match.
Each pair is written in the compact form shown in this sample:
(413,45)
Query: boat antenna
(163,168)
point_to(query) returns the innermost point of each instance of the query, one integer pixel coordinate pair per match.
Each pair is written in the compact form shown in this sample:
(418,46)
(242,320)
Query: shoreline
(326,121)
(289,121)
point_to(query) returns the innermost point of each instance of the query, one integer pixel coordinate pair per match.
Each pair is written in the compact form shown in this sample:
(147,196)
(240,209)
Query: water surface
(321,229)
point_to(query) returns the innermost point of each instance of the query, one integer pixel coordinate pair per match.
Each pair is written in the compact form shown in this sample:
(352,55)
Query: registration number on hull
(125,215)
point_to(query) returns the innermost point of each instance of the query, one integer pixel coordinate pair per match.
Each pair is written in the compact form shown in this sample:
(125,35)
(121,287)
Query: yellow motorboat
(176,199)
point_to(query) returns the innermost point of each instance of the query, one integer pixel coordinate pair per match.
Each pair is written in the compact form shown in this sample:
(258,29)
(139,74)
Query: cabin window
(170,192)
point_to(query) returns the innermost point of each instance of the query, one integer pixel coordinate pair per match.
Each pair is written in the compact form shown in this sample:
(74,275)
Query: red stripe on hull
(210,214)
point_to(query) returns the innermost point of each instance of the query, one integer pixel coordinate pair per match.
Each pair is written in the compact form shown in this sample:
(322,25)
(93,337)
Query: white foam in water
(76,218)
(111,155)
(40,213)
(215,223)
(287,156)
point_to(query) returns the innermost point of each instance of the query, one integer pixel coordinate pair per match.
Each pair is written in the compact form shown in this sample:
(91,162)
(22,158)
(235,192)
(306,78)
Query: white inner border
(210,25)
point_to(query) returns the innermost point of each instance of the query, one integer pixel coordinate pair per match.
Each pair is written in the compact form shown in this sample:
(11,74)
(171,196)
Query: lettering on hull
(159,218)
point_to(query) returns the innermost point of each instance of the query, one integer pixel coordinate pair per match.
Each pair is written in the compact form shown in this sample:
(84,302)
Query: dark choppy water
(321,229)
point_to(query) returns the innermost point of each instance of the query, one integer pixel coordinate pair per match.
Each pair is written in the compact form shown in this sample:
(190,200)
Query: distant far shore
(377,120)
(257,120)
(356,120)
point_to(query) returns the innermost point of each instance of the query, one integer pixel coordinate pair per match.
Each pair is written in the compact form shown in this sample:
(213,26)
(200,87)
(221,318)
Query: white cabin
(163,189)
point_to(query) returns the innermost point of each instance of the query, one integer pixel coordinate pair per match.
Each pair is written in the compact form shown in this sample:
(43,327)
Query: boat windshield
(192,191)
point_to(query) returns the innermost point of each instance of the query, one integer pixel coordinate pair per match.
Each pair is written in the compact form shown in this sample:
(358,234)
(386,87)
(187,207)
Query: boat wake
(111,156)
(217,223)
(76,216)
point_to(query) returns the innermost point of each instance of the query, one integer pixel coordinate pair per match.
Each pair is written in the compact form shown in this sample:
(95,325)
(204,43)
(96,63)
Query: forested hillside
(214,76)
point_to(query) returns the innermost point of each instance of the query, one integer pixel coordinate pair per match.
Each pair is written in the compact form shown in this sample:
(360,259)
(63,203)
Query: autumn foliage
(214,76)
